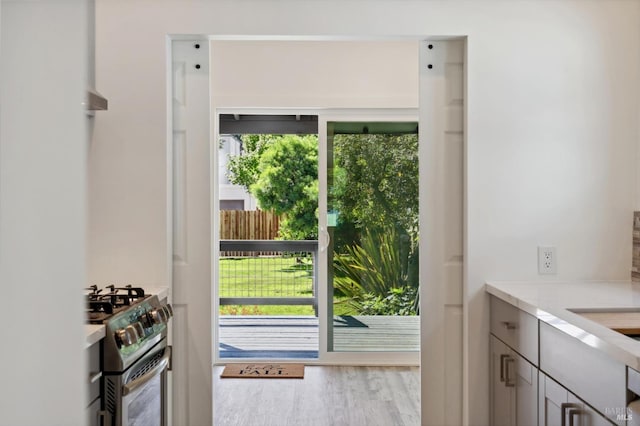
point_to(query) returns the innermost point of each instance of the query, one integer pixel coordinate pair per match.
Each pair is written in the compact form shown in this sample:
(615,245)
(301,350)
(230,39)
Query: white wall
(43,66)
(552,131)
(333,74)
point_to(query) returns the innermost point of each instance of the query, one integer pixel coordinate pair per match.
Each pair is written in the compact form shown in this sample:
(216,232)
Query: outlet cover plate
(547,261)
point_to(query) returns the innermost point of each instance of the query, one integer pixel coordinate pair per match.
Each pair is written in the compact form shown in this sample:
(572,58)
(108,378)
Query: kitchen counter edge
(551,302)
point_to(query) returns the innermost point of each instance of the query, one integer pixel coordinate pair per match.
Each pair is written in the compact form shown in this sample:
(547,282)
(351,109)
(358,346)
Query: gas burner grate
(102,305)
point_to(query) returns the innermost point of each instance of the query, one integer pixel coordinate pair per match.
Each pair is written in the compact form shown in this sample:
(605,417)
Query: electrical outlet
(547,260)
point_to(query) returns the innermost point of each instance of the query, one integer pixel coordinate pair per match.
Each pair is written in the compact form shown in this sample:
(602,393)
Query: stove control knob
(127,336)
(159,316)
(145,320)
(169,309)
(139,329)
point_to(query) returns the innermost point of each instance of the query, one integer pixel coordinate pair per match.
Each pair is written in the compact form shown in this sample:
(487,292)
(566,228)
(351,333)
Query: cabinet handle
(94,377)
(502,363)
(505,360)
(509,325)
(572,413)
(507,380)
(563,409)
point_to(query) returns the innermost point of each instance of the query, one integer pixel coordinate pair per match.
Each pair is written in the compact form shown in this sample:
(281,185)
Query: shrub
(399,301)
(381,270)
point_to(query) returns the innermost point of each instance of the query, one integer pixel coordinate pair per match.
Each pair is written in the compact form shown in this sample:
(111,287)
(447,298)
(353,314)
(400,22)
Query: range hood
(95,101)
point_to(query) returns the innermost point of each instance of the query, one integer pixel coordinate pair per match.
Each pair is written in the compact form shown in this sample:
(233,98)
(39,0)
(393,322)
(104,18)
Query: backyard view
(373,187)
(268,255)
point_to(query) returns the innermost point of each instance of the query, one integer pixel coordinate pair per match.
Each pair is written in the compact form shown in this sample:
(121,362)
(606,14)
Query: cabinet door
(553,400)
(503,402)
(526,380)
(556,402)
(92,413)
(584,415)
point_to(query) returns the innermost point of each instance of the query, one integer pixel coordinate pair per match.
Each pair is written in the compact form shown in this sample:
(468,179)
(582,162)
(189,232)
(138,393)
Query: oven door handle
(142,380)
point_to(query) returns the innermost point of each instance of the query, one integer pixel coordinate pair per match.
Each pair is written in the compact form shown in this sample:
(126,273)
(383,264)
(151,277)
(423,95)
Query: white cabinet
(94,376)
(559,407)
(502,390)
(514,387)
(514,373)
(541,375)
(586,371)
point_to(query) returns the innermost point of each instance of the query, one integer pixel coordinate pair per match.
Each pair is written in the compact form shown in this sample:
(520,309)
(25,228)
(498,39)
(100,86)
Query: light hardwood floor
(327,396)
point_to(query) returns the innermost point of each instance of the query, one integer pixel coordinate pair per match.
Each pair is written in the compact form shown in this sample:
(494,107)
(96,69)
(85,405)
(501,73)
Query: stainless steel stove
(134,357)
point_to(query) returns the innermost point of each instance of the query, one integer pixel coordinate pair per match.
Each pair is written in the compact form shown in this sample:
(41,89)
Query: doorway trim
(439,406)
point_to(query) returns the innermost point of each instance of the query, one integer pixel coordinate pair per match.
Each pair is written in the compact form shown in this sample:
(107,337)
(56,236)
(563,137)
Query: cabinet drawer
(516,328)
(585,371)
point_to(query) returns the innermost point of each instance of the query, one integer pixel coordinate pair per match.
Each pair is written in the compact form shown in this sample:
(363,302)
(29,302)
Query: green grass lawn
(267,277)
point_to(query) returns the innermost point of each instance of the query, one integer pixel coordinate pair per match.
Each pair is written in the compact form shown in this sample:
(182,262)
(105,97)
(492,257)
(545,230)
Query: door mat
(263,371)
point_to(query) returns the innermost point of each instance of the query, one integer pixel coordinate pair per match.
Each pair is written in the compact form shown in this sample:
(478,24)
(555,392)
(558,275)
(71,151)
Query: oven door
(144,390)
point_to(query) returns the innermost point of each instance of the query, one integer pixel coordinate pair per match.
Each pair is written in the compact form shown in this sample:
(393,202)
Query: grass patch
(279,310)
(266,277)
(269,277)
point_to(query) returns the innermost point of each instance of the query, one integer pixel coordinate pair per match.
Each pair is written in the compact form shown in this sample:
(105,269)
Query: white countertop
(161,292)
(551,301)
(96,332)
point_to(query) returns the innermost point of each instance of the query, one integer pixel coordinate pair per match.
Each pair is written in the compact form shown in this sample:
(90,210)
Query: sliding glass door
(369,234)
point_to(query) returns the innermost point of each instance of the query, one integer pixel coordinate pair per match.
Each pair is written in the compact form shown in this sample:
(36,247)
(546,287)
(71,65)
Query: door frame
(436,409)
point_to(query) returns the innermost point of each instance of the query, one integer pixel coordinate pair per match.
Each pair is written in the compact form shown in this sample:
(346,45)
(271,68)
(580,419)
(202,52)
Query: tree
(287,184)
(375,183)
(375,192)
(243,169)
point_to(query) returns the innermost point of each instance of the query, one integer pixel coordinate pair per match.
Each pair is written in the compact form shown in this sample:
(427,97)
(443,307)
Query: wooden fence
(248,225)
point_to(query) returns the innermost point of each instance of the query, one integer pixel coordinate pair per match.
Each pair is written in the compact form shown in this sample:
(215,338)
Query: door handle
(324,235)
(146,377)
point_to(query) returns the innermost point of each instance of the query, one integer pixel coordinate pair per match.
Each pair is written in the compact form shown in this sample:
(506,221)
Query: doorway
(441,150)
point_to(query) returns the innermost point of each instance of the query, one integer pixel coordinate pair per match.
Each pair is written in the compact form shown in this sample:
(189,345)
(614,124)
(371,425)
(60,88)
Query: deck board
(298,336)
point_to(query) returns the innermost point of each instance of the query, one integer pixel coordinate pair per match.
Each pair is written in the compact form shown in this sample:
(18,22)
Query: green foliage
(243,169)
(375,184)
(399,301)
(383,265)
(287,184)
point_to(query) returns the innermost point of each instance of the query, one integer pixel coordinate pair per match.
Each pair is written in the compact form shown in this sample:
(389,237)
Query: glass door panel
(372,222)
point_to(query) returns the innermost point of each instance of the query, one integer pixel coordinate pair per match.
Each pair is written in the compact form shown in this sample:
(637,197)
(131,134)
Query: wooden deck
(298,337)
